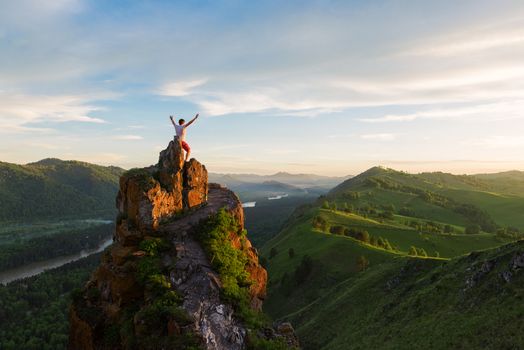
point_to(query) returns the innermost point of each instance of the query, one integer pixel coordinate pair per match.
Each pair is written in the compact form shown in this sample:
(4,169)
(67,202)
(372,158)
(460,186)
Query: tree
(325,205)
(388,214)
(304,269)
(337,230)
(362,263)
(373,241)
(422,252)
(472,229)
(320,223)
(363,236)
(291,252)
(387,245)
(412,251)
(334,206)
(273,252)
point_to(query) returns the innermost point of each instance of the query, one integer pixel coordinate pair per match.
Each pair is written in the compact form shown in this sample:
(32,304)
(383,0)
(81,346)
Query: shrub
(291,252)
(472,229)
(148,266)
(320,223)
(303,270)
(362,236)
(421,252)
(273,252)
(413,251)
(153,246)
(362,263)
(229,262)
(387,215)
(337,230)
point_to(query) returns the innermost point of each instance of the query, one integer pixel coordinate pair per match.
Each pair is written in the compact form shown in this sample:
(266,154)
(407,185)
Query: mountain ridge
(54,188)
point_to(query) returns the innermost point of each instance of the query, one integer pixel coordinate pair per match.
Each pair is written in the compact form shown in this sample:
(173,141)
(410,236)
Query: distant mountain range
(53,188)
(250,186)
(297,180)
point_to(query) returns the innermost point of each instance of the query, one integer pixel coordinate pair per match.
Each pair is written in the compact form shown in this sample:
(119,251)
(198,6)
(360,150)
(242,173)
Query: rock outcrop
(155,284)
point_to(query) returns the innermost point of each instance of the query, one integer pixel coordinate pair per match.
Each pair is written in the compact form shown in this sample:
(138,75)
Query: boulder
(149,195)
(195,184)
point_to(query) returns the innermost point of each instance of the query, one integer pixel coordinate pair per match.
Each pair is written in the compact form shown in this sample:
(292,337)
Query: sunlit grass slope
(342,291)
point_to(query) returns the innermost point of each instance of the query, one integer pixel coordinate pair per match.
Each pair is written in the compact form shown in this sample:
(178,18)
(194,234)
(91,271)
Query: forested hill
(54,188)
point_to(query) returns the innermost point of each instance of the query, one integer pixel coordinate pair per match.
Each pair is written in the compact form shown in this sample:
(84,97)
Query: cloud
(490,111)
(20,112)
(485,39)
(127,137)
(180,88)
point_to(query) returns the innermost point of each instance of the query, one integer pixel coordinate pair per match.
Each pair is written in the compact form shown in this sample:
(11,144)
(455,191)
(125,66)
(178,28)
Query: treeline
(366,210)
(34,311)
(472,213)
(48,247)
(357,233)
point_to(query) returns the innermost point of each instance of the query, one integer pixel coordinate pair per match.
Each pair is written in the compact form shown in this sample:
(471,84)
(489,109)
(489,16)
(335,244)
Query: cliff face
(156,287)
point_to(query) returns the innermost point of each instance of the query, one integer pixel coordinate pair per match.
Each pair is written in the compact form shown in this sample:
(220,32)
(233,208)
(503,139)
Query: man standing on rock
(181,133)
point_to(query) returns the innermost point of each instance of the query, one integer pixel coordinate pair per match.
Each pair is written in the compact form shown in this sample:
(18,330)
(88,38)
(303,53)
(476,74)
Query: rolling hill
(52,188)
(390,260)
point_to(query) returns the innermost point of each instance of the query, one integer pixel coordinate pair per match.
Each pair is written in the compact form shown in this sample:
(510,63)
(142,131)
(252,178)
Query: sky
(325,87)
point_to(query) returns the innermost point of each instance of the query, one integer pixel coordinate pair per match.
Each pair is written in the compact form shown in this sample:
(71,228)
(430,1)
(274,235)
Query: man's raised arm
(192,120)
(172,121)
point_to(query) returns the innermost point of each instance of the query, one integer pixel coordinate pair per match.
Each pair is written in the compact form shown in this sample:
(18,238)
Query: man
(181,133)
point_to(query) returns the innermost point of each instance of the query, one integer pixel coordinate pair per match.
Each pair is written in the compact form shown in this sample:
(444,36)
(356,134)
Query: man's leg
(186,148)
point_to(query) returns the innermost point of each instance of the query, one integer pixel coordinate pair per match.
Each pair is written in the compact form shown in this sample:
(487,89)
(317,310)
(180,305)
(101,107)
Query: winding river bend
(36,268)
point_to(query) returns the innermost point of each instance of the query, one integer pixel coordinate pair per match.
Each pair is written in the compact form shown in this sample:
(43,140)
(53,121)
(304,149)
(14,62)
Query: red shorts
(185,146)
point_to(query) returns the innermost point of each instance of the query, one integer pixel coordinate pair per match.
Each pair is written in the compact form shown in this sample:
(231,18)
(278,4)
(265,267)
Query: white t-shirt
(180,132)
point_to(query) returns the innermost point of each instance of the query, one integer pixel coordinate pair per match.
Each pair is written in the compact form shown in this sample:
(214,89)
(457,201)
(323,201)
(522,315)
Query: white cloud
(491,111)
(180,88)
(20,112)
(506,35)
(127,137)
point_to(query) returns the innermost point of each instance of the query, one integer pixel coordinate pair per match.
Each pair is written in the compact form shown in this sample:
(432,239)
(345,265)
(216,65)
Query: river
(36,268)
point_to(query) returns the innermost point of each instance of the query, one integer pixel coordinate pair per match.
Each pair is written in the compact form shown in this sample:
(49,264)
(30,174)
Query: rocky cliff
(181,273)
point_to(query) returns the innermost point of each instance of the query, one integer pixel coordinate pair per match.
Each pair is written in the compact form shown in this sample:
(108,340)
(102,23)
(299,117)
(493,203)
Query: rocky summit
(181,273)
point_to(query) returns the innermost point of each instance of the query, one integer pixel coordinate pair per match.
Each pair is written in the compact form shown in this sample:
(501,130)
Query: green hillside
(54,188)
(382,262)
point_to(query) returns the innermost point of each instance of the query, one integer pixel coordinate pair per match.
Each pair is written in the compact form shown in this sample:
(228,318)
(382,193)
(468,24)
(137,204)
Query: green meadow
(343,290)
